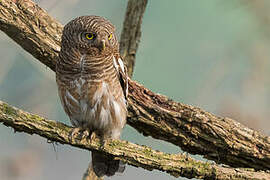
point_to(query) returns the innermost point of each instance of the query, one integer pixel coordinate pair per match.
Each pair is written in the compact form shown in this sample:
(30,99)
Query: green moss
(148,152)
(115,143)
(32,117)
(60,125)
(6,109)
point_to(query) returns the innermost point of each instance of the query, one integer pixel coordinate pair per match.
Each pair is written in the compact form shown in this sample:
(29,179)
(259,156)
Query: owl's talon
(85,134)
(93,136)
(74,132)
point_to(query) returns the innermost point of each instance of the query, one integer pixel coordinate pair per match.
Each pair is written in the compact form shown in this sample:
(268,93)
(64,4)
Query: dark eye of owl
(110,37)
(90,36)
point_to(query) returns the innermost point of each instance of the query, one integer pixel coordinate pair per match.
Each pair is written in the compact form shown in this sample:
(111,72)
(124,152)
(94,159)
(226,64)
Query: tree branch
(32,28)
(131,32)
(194,130)
(135,155)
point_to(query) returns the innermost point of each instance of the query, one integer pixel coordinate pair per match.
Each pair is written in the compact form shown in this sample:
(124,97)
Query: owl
(92,83)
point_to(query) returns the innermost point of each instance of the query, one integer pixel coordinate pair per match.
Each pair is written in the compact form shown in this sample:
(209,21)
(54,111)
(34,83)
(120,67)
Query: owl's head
(92,35)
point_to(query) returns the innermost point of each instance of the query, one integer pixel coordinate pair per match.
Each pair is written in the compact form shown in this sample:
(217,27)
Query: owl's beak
(103,44)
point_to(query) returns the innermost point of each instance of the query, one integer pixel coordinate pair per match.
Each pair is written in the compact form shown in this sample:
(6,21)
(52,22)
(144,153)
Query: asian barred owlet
(92,83)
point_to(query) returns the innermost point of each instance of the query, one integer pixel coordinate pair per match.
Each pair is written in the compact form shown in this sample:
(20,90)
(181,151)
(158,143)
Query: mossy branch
(193,129)
(135,155)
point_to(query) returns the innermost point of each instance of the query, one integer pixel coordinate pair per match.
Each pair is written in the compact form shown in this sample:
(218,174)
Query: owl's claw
(83,133)
(74,132)
(93,136)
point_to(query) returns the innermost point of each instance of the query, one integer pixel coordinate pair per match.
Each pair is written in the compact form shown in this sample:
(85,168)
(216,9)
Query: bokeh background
(214,54)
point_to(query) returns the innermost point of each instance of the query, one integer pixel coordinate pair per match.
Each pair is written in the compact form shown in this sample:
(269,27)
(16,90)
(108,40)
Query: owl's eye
(110,37)
(89,36)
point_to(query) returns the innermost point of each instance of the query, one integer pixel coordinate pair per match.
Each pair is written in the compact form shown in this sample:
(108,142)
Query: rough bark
(131,32)
(32,28)
(135,155)
(194,130)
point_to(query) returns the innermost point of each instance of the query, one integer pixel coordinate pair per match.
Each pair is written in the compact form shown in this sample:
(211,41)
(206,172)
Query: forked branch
(193,129)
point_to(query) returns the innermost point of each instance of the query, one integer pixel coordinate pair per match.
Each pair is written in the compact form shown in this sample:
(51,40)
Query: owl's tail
(105,165)
(90,174)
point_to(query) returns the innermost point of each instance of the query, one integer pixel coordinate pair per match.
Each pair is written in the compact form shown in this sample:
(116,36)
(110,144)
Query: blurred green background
(213,54)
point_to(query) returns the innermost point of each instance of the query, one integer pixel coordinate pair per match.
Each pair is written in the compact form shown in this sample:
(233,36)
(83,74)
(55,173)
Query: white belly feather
(86,117)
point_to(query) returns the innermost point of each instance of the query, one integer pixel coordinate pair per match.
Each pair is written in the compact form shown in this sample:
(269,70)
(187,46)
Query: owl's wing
(122,74)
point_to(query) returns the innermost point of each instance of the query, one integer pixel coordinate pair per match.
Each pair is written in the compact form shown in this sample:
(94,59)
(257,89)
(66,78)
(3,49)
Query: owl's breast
(91,94)
(93,105)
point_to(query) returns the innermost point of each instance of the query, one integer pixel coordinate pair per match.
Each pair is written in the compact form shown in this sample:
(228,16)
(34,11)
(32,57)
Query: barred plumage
(92,83)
